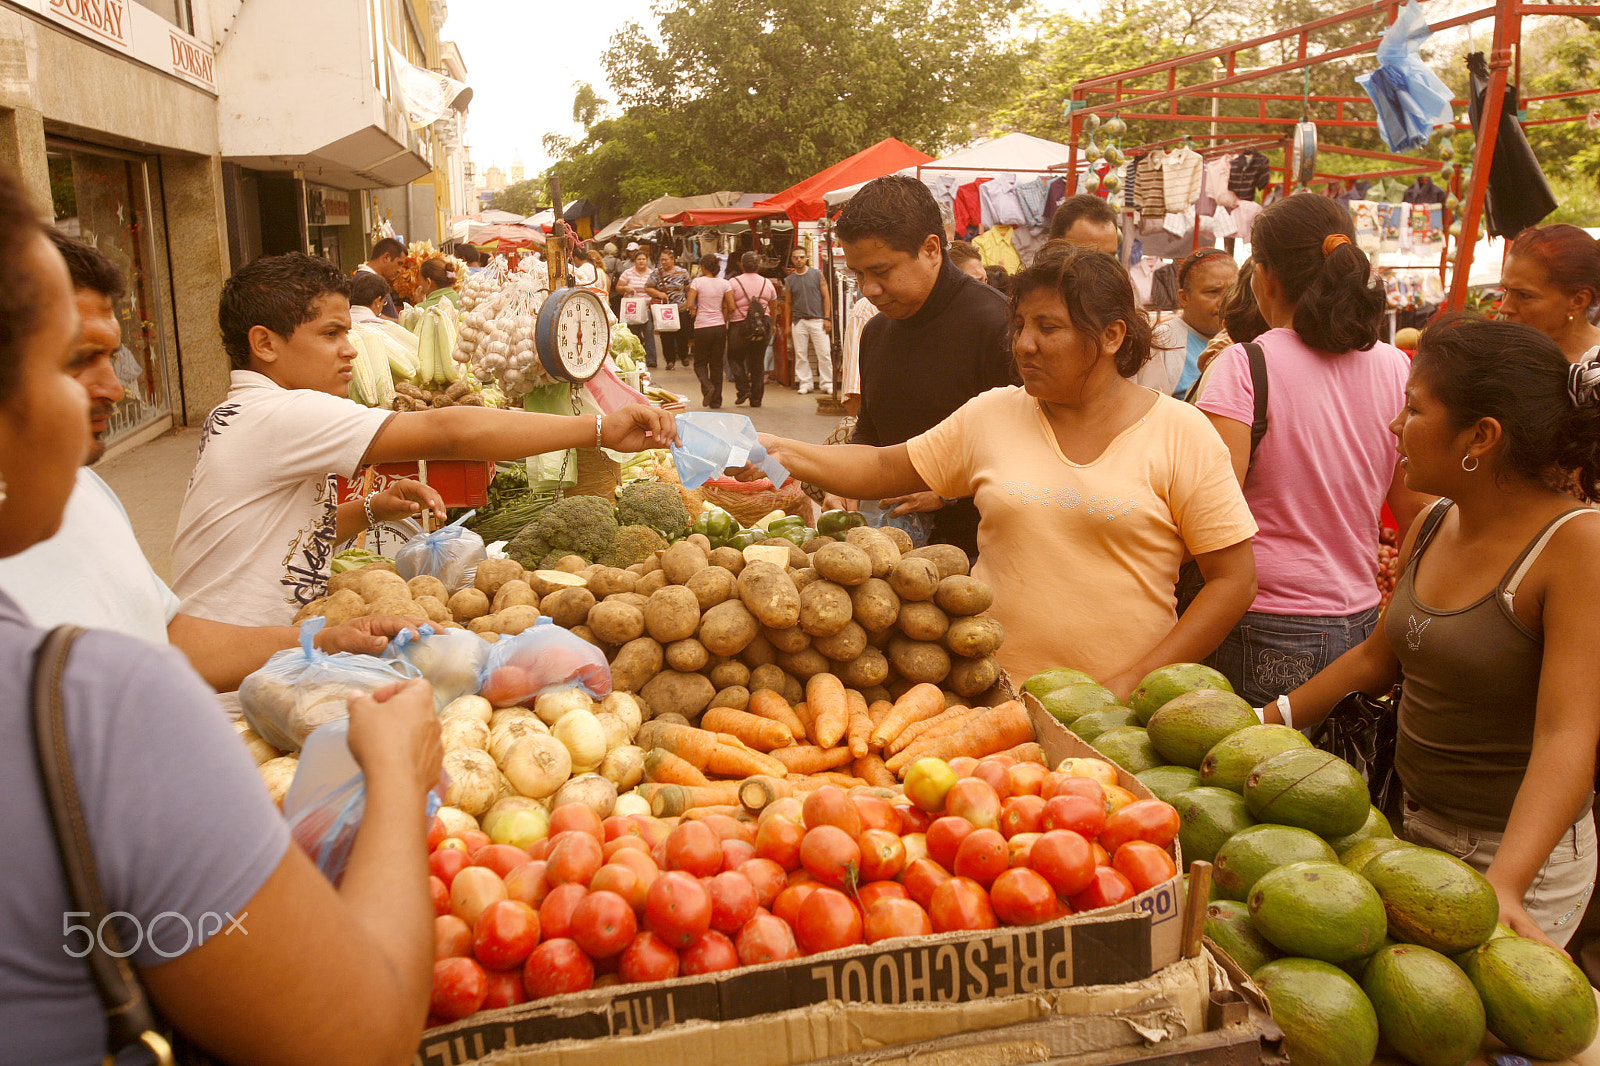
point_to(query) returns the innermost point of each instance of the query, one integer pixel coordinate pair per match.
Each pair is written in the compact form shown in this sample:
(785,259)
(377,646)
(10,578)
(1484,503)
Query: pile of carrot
(833,737)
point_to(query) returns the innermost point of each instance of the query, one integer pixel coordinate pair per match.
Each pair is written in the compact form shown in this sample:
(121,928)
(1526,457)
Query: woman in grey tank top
(1491,630)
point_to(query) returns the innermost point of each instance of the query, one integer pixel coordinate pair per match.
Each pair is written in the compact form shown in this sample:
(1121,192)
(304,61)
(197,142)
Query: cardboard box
(847,1001)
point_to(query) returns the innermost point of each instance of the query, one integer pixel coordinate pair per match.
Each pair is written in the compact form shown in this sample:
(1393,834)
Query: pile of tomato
(637,898)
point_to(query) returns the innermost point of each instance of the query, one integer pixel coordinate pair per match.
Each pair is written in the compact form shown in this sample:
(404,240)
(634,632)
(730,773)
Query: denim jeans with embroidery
(1267,655)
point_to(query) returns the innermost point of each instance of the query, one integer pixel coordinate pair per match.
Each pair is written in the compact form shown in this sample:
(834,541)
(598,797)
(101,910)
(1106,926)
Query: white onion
(623,766)
(630,804)
(518,821)
(616,731)
(456,821)
(537,765)
(625,707)
(584,737)
(551,706)
(474,705)
(463,731)
(508,731)
(591,790)
(474,781)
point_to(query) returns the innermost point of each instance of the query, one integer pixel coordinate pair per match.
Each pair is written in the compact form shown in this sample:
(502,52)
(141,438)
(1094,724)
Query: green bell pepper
(717,525)
(743,538)
(791,528)
(836,523)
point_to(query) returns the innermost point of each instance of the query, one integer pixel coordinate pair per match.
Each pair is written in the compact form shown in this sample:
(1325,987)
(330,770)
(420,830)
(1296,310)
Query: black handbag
(130,1018)
(1363,731)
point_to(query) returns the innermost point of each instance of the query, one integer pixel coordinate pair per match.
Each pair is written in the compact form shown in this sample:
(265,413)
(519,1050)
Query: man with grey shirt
(811,320)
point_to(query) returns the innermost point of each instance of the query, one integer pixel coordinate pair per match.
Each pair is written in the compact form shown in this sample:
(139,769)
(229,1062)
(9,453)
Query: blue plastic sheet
(714,442)
(1411,99)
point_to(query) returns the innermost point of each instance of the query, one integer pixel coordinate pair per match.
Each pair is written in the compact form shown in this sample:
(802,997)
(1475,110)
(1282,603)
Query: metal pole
(1507,26)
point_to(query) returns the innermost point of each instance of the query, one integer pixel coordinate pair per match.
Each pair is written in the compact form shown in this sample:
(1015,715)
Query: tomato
(709,952)
(1058,784)
(623,881)
(578,818)
(603,924)
(921,877)
(693,848)
(1080,814)
(574,857)
(1106,890)
(944,838)
(452,937)
(1144,864)
(927,782)
(648,958)
(961,903)
(1102,857)
(1023,897)
(779,839)
(889,918)
(678,908)
(993,773)
(1098,769)
(733,902)
(617,827)
(727,828)
(830,806)
(877,814)
(609,849)
(831,855)
(883,855)
(637,861)
(1021,847)
(505,989)
(501,858)
(1021,814)
(446,863)
(787,906)
(441,895)
(1118,797)
(1149,820)
(436,832)
(1064,859)
(1026,778)
(913,819)
(766,938)
(983,856)
(539,850)
(788,808)
(876,890)
(652,830)
(916,845)
(527,883)
(555,968)
(767,877)
(454,844)
(975,800)
(459,986)
(828,920)
(555,913)
(475,840)
(506,932)
(473,890)
(735,853)
(963,765)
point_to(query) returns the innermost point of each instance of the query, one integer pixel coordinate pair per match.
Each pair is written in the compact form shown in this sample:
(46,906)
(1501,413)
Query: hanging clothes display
(1412,101)
(1031,194)
(998,197)
(1053,198)
(1180,179)
(1519,196)
(1149,193)
(1250,172)
(1424,192)
(995,246)
(968,212)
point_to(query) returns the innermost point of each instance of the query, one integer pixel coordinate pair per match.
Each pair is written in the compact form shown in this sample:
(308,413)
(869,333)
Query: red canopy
(717,216)
(803,201)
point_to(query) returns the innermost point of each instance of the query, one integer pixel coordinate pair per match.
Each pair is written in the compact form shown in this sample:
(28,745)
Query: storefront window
(178,12)
(102,200)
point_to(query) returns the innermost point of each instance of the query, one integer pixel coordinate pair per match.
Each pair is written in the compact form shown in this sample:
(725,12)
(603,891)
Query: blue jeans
(1267,655)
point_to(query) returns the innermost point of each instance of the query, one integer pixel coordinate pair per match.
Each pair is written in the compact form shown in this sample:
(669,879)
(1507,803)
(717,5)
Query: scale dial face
(574,335)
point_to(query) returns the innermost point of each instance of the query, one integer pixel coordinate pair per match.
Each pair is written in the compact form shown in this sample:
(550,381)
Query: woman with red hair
(1551,279)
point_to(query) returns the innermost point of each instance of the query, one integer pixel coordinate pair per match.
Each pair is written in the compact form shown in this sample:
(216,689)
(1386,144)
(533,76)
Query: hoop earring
(2,490)
(1464,466)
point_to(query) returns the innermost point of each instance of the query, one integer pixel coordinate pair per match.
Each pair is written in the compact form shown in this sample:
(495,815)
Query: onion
(456,821)
(476,706)
(463,731)
(623,766)
(550,706)
(626,707)
(259,749)
(474,784)
(508,732)
(615,730)
(630,803)
(584,737)
(591,790)
(278,774)
(518,821)
(537,765)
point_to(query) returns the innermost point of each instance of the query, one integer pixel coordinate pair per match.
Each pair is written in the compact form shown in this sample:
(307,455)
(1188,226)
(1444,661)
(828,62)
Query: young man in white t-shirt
(261,517)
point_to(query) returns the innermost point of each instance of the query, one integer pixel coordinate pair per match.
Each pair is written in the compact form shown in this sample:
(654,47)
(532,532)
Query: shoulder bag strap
(1258,385)
(129,1019)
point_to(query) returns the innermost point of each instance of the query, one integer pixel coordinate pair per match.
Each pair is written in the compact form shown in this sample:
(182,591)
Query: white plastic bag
(665,317)
(635,310)
(451,554)
(451,661)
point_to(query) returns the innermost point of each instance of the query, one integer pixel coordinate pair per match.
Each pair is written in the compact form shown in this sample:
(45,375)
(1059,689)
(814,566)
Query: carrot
(736,760)
(915,730)
(878,711)
(931,737)
(769,704)
(996,730)
(803,712)
(810,759)
(665,768)
(830,711)
(860,723)
(759,790)
(730,810)
(688,743)
(1029,752)
(757,732)
(667,801)
(839,779)
(870,768)
(919,702)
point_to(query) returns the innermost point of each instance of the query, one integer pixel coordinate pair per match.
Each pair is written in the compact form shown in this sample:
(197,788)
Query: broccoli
(632,544)
(576,525)
(654,504)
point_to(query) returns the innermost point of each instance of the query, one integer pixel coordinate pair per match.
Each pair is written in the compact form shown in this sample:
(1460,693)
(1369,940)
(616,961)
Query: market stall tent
(650,215)
(807,200)
(1008,154)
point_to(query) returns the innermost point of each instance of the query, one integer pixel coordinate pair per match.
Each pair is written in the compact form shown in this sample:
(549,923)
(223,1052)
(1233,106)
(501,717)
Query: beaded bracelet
(366,505)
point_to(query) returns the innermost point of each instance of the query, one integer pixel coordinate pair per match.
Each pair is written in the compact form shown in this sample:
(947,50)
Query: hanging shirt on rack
(1001,205)
(1028,240)
(968,212)
(1130,176)
(995,246)
(1031,195)
(1250,171)
(1244,216)
(943,187)
(1424,192)
(1180,179)
(1053,198)
(1149,194)
(1216,182)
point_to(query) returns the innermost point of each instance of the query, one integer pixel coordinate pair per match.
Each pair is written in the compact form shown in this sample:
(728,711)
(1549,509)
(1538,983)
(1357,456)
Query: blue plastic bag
(1411,99)
(714,442)
(451,554)
(451,661)
(542,658)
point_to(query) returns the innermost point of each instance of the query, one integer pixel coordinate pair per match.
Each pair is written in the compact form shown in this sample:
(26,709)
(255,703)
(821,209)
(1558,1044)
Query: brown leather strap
(128,1013)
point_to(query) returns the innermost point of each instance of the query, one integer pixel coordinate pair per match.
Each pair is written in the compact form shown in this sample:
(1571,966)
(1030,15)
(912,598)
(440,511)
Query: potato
(672,614)
(876,694)
(918,661)
(950,560)
(729,673)
(735,696)
(380,584)
(652,582)
(350,579)
(616,623)
(572,564)
(864,671)
(843,563)
(793,690)
(884,552)
(815,544)
(651,564)
(792,639)
(631,598)
(804,577)
(635,663)
(758,651)
(434,608)
(311,610)
(901,538)
(797,558)
(512,593)
(712,585)
(766,676)
(544,582)
(728,628)
(843,646)
(700,539)
(427,585)
(585,633)
(682,561)
(569,607)
(974,637)
(637,569)
(914,579)
(608,579)
(397,606)
(875,605)
(730,559)
(923,621)
(672,692)
(515,619)
(825,608)
(770,594)
(468,604)
(964,595)
(342,606)
(969,677)
(492,573)
(803,664)
(484,625)
(687,656)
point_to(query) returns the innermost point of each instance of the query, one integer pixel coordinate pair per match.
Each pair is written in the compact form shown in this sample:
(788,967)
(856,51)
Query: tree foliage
(522,198)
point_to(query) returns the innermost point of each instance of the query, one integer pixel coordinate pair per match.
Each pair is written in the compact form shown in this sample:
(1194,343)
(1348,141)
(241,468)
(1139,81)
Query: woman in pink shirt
(710,304)
(1319,479)
(631,282)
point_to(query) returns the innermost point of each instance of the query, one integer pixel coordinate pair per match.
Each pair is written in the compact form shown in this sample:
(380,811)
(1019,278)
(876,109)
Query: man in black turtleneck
(939,340)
